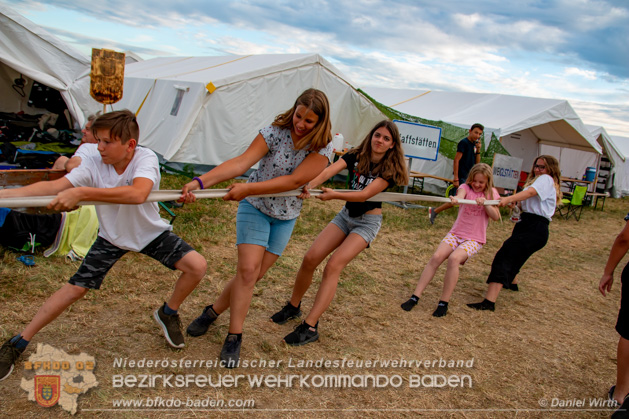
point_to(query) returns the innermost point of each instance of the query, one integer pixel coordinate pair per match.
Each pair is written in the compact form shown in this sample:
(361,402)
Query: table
(422,176)
(570,182)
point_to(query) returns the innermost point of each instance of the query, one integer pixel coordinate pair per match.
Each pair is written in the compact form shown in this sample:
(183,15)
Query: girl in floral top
(292,151)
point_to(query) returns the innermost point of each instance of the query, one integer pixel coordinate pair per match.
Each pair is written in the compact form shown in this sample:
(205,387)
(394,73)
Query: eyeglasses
(537,166)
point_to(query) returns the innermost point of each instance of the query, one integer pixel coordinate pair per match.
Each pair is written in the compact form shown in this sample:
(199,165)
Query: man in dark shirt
(467,155)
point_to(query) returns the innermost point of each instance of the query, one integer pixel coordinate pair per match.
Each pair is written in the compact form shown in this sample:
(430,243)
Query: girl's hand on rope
(186,192)
(326,194)
(454,199)
(305,193)
(237,192)
(480,200)
(505,201)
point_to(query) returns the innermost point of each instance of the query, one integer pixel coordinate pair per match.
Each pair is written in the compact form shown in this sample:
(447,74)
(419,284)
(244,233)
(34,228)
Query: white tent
(28,52)
(205,110)
(526,126)
(621,182)
(609,162)
(617,151)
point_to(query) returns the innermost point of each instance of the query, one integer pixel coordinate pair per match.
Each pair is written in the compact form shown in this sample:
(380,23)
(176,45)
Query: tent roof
(604,139)
(622,144)
(205,110)
(223,70)
(29,49)
(552,121)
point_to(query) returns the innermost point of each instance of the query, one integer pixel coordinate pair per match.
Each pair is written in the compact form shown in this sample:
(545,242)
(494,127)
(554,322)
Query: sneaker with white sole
(8,356)
(432,215)
(171,326)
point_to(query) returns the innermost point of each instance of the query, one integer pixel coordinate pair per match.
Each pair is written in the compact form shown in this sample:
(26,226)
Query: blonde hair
(552,167)
(321,135)
(485,170)
(392,165)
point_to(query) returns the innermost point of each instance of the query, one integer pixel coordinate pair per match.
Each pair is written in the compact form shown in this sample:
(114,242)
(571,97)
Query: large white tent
(617,152)
(205,110)
(526,126)
(621,182)
(30,53)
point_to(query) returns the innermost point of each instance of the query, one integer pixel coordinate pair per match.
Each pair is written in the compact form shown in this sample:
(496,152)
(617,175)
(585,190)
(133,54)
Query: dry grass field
(548,350)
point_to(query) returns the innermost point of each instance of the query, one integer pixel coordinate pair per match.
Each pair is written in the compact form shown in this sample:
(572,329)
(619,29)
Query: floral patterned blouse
(281,160)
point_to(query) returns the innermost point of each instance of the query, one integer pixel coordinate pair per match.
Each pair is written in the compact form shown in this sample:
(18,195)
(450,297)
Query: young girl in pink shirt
(466,238)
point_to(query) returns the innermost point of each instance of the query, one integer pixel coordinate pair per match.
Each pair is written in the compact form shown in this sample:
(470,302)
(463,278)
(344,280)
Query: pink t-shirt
(472,221)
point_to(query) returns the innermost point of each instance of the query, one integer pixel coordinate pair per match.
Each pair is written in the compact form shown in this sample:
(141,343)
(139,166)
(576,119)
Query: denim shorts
(254,227)
(366,225)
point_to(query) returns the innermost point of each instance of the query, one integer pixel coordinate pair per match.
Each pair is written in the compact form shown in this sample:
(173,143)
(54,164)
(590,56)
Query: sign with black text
(419,141)
(506,171)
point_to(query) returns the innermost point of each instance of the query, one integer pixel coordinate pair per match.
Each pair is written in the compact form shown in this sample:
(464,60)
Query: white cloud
(586,74)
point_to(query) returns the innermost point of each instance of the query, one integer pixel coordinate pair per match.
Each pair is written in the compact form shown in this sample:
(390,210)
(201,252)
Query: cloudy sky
(562,49)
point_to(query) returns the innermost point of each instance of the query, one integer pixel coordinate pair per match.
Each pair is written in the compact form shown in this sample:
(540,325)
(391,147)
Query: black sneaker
(171,326)
(483,305)
(302,335)
(442,309)
(230,354)
(410,303)
(286,313)
(200,325)
(622,411)
(8,355)
(610,396)
(432,215)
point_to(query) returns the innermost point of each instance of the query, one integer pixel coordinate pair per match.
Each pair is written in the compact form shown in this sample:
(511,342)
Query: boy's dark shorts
(622,324)
(167,248)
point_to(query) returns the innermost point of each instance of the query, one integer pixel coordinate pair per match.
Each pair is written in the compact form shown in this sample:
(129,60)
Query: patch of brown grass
(554,339)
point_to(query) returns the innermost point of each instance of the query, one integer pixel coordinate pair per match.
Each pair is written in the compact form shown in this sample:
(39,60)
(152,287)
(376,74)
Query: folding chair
(570,206)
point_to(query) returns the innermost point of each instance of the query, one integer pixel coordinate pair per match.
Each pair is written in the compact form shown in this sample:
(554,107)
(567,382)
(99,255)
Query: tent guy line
(173,195)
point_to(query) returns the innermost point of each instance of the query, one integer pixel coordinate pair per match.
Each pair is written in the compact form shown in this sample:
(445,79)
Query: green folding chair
(570,206)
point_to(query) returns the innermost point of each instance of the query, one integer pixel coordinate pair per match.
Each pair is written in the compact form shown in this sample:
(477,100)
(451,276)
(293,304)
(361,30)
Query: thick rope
(173,195)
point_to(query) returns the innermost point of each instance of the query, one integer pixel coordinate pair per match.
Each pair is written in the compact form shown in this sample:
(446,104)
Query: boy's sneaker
(432,215)
(200,325)
(286,313)
(302,335)
(171,326)
(230,354)
(8,355)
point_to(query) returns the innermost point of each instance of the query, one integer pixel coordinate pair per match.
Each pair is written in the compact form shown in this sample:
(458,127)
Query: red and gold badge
(47,389)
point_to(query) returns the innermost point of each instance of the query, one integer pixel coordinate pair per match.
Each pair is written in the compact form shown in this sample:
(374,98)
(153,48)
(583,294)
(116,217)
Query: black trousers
(622,324)
(529,236)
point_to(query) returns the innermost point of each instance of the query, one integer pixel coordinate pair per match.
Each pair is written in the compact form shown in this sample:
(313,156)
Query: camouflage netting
(450,134)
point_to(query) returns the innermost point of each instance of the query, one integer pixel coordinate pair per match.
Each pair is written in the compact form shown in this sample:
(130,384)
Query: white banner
(419,141)
(506,171)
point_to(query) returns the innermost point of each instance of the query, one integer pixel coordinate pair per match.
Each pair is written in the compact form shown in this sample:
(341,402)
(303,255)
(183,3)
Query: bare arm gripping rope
(173,195)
